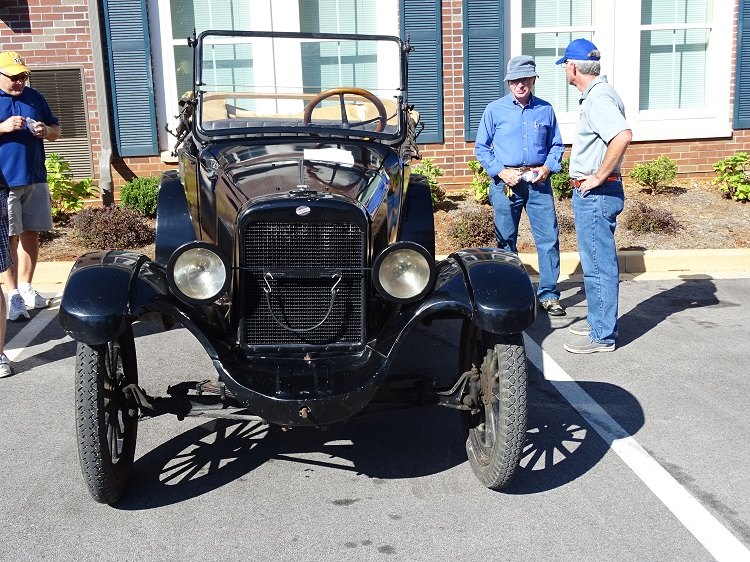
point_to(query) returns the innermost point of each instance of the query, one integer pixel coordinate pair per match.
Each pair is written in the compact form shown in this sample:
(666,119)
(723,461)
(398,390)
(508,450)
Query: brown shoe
(552,307)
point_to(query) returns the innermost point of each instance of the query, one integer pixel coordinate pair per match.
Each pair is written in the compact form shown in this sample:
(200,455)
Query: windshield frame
(394,132)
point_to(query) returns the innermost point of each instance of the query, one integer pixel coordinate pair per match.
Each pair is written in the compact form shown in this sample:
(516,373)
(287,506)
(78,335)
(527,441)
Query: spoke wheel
(497,432)
(107,415)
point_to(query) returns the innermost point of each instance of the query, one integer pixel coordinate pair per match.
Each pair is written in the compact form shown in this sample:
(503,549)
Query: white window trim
(617,31)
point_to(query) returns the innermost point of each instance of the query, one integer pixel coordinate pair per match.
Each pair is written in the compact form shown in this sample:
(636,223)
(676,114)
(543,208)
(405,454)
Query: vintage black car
(298,249)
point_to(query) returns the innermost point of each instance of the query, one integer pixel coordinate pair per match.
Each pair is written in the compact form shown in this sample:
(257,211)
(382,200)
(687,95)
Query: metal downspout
(100,86)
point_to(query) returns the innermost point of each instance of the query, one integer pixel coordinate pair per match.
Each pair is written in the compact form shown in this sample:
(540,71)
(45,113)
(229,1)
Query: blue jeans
(539,203)
(595,217)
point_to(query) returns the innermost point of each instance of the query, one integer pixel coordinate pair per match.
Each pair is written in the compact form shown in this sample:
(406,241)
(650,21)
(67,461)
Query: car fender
(488,286)
(502,295)
(105,292)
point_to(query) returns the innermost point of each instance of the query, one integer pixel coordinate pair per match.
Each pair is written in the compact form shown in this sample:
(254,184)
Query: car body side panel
(174,224)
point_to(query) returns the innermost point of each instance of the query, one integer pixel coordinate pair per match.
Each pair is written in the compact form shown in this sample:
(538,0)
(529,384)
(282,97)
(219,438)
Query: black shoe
(552,307)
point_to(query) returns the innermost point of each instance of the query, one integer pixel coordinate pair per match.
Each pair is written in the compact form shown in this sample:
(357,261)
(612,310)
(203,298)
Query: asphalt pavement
(637,454)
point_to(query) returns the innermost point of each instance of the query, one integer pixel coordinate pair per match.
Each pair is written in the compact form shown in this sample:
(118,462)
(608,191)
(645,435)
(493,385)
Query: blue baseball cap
(579,49)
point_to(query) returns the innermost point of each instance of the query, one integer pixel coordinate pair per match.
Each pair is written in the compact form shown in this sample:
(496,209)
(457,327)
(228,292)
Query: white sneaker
(33,299)
(5,368)
(17,308)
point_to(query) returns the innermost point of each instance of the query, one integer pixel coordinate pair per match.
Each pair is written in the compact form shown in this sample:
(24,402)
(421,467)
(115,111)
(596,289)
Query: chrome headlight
(404,272)
(197,273)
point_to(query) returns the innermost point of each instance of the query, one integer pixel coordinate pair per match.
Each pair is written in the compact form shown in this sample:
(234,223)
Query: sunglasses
(17,77)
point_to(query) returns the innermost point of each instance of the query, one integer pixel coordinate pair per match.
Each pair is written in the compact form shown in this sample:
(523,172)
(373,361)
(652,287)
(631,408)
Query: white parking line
(32,329)
(716,538)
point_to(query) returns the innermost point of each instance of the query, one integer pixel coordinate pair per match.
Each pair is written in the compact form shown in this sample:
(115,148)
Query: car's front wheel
(497,431)
(106,415)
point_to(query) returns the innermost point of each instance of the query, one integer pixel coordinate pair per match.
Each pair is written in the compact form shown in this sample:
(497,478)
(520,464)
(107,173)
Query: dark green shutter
(483,59)
(131,79)
(742,83)
(422,26)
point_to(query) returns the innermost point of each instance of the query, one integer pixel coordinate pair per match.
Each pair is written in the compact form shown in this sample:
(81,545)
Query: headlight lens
(198,272)
(404,272)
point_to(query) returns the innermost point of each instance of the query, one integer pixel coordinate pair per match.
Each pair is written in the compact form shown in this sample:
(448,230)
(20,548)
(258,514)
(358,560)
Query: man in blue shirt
(519,145)
(25,122)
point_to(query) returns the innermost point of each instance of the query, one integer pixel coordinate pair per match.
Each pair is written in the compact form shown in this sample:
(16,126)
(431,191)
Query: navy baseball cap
(579,49)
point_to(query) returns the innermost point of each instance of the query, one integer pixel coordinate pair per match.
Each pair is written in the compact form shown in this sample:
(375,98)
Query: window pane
(675,11)
(337,16)
(556,13)
(208,14)
(183,63)
(552,85)
(673,68)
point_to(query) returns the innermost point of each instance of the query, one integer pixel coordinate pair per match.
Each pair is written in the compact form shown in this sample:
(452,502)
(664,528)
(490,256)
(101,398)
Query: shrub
(67,195)
(654,174)
(480,182)
(561,181)
(432,172)
(111,228)
(140,194)
(474,228)
(643,219)
(732,178)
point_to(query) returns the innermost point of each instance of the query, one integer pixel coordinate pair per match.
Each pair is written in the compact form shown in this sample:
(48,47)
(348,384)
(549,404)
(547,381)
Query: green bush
(643,219)
(474,228)
(140,194)
(480,182)
(654,174)
(432,172)
(561,181)
(67,194)
(732,178)
(111,228)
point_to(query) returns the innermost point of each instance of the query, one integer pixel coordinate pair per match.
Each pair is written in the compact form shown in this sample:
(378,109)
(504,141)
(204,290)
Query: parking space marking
(32,329)
(716,538)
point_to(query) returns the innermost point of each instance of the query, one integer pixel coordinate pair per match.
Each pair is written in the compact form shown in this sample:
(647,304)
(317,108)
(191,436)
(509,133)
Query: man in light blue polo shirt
(601,138)
(519,145)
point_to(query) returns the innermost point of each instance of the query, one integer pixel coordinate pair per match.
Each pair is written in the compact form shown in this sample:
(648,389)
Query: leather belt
(522,169)
(577,183)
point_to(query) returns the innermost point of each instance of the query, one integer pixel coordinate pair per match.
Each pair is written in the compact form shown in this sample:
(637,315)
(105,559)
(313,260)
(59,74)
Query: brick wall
(50,33)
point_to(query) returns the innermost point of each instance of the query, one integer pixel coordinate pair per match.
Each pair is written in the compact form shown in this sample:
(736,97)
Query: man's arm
(53,132)
(615,151)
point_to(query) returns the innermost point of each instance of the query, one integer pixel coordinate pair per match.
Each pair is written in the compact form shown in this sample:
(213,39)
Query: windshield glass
(299,84)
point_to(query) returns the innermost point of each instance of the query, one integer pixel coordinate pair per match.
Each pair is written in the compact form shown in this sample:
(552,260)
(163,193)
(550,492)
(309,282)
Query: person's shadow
(694,291)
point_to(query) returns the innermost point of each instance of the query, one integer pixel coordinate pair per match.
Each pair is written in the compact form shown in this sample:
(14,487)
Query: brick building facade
(58,33)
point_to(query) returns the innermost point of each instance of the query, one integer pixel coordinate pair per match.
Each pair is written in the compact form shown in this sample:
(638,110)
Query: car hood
(259,170)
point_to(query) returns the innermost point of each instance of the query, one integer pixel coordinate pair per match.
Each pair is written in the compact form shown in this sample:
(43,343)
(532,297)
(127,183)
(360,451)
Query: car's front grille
(303,285)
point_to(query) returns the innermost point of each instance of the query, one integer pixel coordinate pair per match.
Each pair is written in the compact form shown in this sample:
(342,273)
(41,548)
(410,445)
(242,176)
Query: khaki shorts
(29,209)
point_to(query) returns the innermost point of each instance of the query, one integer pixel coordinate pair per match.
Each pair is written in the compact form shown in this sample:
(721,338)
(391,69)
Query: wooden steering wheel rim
(369,96)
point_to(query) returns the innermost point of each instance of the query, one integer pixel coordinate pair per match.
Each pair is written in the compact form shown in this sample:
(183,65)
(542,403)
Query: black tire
(496,434)
(106,415)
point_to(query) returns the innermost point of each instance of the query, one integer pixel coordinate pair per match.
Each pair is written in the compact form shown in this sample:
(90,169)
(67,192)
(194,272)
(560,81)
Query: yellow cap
(11,63)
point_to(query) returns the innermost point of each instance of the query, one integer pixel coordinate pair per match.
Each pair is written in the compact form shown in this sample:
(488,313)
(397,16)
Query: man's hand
(542,173)
(13,123)
(509,177)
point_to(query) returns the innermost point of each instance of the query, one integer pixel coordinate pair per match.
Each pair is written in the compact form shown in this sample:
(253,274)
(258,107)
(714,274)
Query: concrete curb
(730,262)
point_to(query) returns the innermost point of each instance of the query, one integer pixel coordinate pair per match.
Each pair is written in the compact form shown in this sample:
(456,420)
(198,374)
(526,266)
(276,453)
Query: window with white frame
(670,60)
(173,22)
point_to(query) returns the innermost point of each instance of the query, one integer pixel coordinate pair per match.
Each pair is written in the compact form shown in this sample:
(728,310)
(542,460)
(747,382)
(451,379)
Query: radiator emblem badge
(303,211)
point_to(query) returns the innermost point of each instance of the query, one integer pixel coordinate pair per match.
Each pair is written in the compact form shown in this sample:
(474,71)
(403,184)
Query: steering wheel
(341,92)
